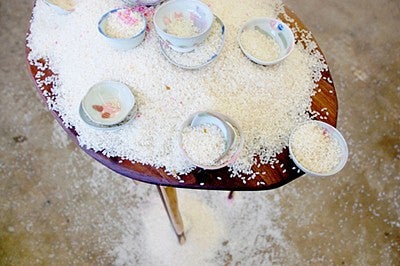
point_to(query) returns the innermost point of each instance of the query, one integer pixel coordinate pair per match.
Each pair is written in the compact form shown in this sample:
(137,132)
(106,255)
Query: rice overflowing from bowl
(266,102)
(260,45)
(204,144)
(124,23)
(315,149)
(204,53)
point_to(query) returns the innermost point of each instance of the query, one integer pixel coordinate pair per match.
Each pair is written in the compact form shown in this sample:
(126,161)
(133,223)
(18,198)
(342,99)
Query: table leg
(170,201)
(230,196)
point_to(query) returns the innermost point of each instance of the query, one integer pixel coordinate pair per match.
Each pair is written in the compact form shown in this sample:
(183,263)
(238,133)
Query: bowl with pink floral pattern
(123,28)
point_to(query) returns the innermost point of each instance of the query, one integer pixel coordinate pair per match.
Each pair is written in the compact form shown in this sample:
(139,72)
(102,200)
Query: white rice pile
(124,24)
(182,27)
(204,144)
(315,148)
(266,102)
(260,45)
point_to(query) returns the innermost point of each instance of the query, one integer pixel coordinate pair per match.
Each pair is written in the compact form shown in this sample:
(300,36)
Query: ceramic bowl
(231,132)
(122,43)
(280,33)
(330,131)
(62,7)
(108,103)
(193,11)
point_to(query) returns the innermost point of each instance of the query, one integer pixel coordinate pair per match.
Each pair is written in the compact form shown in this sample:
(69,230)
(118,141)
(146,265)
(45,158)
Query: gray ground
(58,206)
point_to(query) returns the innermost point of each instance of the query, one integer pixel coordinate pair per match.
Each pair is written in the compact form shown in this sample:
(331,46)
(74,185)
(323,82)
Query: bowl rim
(344,149)
(157,27)
(225,119)
(85,118)
(257,60)
(108,13)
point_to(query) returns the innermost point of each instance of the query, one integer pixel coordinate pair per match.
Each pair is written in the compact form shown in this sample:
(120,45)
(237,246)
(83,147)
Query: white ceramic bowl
(62,7)
(332,132)
(230,130)
(108,93)
(122,43)
(190,10)
(277,30)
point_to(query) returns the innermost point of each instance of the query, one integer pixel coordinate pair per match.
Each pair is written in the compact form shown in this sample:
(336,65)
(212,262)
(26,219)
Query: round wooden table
(271,177)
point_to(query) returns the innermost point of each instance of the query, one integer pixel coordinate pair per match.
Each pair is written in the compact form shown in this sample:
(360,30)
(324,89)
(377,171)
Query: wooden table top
(270,177)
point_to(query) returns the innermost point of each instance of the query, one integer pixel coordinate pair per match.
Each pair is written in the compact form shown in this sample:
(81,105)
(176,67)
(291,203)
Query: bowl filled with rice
(183,24)
(123,28)
(266,41)
(210,140)
(318,148)
(62,7)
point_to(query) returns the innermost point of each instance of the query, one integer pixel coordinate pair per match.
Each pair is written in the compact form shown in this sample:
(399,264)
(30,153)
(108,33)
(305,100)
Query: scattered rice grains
(228,85)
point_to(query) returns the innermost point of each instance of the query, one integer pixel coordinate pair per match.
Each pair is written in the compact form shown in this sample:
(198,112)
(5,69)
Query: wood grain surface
(271,177)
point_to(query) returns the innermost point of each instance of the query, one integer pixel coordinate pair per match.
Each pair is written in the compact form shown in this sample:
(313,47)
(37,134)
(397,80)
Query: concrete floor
(58,206)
